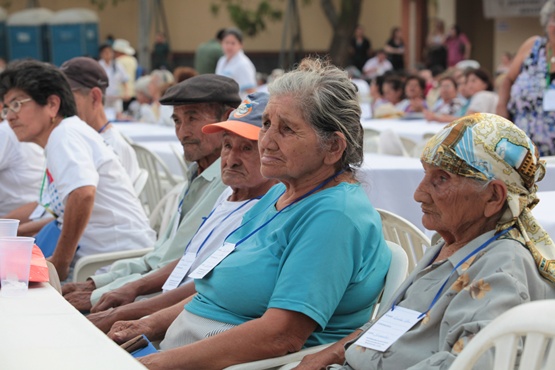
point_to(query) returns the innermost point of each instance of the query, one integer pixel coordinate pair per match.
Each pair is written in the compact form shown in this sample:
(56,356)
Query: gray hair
(328,101)
(547,11)
(141,85)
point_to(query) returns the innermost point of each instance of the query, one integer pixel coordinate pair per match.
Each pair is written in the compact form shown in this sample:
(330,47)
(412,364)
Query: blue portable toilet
(73,33)
(3,39)
(28,34)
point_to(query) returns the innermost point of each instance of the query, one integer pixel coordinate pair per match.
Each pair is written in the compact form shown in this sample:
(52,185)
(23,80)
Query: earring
(52,120)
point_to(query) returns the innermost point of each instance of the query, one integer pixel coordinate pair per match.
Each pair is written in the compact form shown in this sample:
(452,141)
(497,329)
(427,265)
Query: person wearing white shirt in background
(118,81)
(235,64)
(124,55)
(86,186)
(377,65)
(140,109)
(21,171)
(88,82)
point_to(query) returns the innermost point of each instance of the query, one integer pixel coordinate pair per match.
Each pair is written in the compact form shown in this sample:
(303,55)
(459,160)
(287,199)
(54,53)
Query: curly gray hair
(328,101)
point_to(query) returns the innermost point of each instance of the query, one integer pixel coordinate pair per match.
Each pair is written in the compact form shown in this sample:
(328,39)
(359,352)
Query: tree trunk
(344,25)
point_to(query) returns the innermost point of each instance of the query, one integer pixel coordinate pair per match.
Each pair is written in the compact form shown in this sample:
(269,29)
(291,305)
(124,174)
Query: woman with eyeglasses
(84,186)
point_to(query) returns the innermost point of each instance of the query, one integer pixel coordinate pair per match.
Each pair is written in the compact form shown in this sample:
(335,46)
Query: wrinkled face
(413,90)
(449,202)
(447,90)
(231,45)
(390,94)
(32,122)
(474,85)
(189,120)
(240,162)
(288,145)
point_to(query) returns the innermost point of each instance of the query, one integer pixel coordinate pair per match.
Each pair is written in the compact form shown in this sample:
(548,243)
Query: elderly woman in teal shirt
(309,259)
(478,190)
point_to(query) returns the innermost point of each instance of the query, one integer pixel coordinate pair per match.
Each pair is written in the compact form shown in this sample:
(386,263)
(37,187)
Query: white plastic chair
(397,272)
(87,266)
(178,152)
(160,178)
(371,142)
(392,144)
(140,181)
(403,232)
(161,215)
(529,326)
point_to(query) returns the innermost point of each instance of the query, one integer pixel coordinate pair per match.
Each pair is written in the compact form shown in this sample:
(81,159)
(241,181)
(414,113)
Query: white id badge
(180,271)
(549,100)
(37,213)
(212,261)
(389,328)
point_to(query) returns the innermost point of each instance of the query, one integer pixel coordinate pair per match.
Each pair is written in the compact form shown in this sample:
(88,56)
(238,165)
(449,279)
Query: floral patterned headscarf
(486,147)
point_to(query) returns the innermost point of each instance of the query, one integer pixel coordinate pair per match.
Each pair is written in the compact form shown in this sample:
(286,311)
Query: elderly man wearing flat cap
(88,82)
(197,102)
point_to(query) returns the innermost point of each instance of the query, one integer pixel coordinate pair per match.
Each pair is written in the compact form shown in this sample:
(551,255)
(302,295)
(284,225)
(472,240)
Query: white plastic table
(43,331)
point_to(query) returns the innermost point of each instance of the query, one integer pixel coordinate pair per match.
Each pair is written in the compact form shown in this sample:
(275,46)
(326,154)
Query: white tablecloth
(43,331)
(144,132)
(410,129)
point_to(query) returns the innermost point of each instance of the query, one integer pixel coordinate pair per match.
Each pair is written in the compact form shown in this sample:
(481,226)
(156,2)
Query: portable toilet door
(71,31)
(3,36)
(28,35)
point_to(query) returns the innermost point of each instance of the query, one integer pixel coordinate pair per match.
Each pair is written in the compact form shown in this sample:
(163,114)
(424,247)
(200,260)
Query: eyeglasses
(14,106)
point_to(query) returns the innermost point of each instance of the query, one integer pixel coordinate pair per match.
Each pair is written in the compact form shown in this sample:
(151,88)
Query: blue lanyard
(204,219)
(438,294)
(103,127)
(320,186)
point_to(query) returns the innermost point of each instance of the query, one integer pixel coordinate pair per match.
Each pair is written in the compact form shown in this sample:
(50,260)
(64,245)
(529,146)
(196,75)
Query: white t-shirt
(76,156)
(116,77)
(219,227)
(124,151)
(21,170)
(239,68)
(373,67)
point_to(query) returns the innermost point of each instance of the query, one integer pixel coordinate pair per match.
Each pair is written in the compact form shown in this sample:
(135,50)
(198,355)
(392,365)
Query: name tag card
(212,261)
(549,100)
(37,213)
(180,271)
(390,327)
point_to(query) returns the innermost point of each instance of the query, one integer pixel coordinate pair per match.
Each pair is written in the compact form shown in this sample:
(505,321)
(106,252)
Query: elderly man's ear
(96,94)
(497,196)
(336,146)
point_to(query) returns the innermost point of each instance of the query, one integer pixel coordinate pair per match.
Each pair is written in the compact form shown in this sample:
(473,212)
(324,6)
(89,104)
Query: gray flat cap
(206,88)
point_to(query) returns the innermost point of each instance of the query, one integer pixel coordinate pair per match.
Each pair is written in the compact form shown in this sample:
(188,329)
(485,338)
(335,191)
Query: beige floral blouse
(499,277)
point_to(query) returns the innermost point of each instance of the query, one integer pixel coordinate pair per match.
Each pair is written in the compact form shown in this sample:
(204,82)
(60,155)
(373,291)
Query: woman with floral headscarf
(477,192)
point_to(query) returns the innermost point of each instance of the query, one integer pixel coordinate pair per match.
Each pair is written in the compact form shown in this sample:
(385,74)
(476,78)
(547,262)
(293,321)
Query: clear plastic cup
(15,263)
(8,227)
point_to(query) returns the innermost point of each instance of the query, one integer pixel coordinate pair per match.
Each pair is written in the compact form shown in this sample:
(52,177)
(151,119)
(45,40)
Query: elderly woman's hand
(105,319)
(115,298)
(122,331)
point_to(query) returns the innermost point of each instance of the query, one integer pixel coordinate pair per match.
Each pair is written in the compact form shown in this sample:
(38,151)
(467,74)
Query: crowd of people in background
(288,144)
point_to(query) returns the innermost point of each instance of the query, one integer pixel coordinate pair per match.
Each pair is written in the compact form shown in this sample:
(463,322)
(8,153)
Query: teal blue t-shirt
(324,256)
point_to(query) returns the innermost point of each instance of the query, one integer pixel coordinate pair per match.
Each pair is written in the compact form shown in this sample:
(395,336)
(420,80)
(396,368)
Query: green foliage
(248,19)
